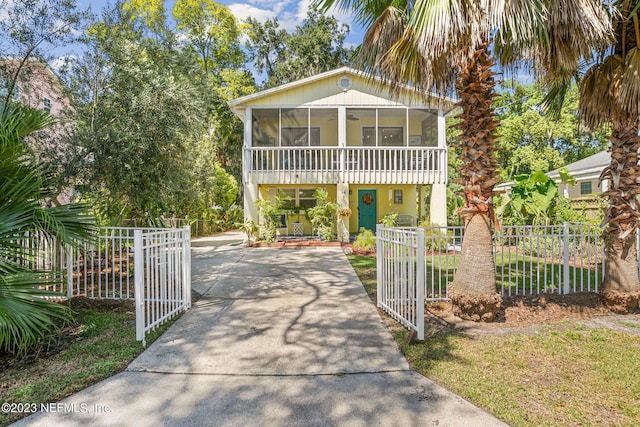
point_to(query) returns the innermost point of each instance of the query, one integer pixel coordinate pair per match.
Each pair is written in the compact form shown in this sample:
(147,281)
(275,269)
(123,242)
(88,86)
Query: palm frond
(450,27)
(25,219)
(599,92)
(18,121)
(554,99)
(25,314)
(629,95)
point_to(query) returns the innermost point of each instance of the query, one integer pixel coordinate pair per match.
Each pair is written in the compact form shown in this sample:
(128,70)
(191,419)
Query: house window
(397,197)
(387,136)
(296,197)
(585,188)
(46,105)
(4,88)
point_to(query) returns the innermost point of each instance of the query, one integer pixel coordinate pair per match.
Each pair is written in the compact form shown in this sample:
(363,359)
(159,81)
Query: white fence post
(138,268)
(69,250)
(379,262)
(566,258)
(420,282)
(186,266)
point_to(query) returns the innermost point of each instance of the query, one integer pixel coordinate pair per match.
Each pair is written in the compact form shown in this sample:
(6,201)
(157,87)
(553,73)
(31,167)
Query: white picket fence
(151,266)
(415,264)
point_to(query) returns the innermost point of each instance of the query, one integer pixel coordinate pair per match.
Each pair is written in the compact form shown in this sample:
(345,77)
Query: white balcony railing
(356,165)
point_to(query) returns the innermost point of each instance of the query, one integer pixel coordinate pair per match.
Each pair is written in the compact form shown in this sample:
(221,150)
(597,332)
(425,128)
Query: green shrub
(270,212)
(434,239)
(389,220)
(323,215)
(365,240)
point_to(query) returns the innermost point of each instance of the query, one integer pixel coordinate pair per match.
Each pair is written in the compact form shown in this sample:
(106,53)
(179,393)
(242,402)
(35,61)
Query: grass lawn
(518,273)
(101,343)
(567,374)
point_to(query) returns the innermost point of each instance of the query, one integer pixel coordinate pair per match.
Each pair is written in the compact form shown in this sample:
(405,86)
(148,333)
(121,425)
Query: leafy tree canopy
(314,47)
(144,148)
(531,140)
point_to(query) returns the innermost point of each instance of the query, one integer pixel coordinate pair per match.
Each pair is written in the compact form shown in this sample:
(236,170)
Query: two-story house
(342,131)
(38,86)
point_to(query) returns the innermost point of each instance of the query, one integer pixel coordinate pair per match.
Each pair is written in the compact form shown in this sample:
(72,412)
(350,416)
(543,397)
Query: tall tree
(610,93)
(212,33)
(138,114)
(532,140)
(444,46)
(314,47)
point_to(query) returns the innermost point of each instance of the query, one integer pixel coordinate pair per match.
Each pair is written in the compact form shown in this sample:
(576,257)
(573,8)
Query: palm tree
(25,189)
(610,93)
(444,46)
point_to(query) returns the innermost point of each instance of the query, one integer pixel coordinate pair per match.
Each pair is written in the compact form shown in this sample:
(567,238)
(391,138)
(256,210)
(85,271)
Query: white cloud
(242,11)
(61,61)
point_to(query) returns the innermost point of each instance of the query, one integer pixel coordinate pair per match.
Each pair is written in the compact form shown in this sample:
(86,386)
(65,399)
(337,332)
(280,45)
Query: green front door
(367,210)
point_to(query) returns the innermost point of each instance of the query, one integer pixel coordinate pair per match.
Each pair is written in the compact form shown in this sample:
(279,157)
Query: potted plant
(344,212)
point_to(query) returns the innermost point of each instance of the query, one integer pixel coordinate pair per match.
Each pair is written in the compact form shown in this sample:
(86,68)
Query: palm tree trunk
(476,274)
(473,291)
(621,287)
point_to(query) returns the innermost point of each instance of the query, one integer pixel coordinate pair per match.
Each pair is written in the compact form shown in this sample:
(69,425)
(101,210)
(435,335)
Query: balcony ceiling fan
(349,117)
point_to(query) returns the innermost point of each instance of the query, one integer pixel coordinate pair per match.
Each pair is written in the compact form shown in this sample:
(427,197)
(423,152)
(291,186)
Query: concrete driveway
(280,337)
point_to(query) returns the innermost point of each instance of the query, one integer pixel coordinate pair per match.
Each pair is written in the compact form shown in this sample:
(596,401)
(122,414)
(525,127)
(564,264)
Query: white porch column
(250,189)
(342,142)
(251,195)
(342,198)
(442,129)
(422,206)
(246,150)
(438,213)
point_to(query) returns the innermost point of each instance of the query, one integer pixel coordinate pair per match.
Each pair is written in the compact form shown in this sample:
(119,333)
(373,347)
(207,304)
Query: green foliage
(323,215)
(531,201)
(154,137)
(531,140)
(435,238)
(365,240)
(270,211)
(250,229)
(454,189)
(389,220)
(315,46)
(25,193)
(212,31)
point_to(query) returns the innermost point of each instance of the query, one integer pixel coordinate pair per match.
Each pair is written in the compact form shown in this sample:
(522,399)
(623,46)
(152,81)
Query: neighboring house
(584,194)
(39,87)
(36,86)
(341,131)
(587,175)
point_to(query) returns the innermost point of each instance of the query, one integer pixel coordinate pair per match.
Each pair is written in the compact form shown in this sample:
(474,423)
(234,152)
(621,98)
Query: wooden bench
(404,220)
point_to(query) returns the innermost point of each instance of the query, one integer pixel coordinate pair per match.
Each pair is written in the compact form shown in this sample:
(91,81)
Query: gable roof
(589,165)
(374,84)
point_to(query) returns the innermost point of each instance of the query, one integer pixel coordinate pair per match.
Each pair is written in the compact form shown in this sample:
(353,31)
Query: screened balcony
(355,145)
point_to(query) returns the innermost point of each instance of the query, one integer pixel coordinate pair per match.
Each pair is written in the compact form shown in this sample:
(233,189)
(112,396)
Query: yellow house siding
(384,201)
(327,93)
